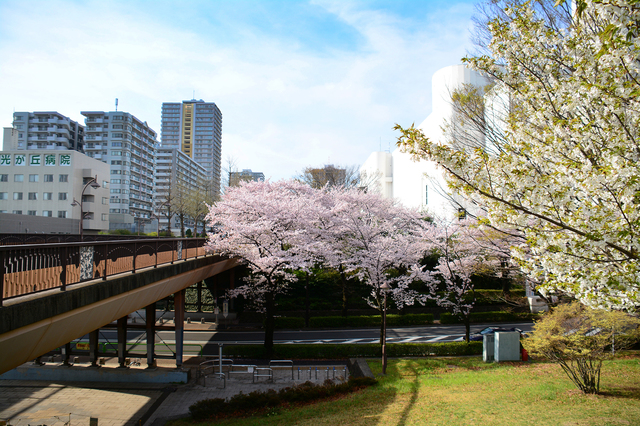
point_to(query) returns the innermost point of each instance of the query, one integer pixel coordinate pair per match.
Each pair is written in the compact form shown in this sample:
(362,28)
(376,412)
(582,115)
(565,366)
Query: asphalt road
(209,339)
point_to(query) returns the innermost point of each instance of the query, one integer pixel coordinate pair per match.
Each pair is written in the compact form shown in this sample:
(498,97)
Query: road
(209,339)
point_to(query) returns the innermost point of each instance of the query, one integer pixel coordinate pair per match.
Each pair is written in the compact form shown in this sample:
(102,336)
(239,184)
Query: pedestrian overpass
(51,294)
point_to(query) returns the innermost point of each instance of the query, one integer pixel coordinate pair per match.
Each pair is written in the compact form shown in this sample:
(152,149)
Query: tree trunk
(307,313)
(467,326)
(343,283)
(269,325)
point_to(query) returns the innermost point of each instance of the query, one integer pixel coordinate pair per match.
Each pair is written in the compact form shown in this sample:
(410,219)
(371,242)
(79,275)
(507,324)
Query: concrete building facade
(45,130)
(128,146)
(195,127)
(41,186)
(246,175)
(179,180)
(421,184)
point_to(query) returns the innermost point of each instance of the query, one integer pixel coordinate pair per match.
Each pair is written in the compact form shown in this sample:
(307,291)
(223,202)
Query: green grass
(465,391)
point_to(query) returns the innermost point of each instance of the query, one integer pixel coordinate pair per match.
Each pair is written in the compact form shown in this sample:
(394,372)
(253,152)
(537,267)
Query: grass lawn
(465,391)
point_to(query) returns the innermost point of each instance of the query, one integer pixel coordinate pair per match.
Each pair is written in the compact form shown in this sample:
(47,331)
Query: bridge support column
(122,341)
(93,347)
(151,334)
(66,354)
(178,302)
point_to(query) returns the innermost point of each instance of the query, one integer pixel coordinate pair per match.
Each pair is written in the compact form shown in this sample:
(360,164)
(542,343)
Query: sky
(299,83)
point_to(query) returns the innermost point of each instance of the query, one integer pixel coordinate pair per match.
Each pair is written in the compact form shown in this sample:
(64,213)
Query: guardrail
(32,268)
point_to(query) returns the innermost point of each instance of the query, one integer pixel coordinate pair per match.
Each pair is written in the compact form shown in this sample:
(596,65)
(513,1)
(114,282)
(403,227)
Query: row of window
(62,214)
(47,196)
(33,178)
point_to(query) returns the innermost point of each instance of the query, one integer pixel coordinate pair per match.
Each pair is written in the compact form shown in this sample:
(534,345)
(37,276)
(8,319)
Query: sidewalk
(24,403)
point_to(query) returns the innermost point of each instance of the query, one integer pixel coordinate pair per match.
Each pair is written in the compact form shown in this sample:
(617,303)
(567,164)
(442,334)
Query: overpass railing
(32,268)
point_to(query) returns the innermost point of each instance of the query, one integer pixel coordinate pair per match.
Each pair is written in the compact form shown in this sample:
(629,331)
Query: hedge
(370,320)
(372,350)
(482,317)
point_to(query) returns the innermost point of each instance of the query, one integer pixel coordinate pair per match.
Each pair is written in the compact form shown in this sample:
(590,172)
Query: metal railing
(32,268)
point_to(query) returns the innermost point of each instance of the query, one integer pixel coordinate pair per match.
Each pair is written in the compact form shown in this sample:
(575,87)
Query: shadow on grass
(414,386)
(621,393)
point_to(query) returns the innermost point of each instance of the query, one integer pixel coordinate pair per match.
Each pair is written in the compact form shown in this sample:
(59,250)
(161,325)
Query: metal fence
(32,268)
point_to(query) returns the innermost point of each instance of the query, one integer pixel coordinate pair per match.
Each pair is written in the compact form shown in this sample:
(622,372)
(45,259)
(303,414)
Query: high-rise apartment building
(246,175)
(195,127)
(129,146)
(45,130)
(180,183)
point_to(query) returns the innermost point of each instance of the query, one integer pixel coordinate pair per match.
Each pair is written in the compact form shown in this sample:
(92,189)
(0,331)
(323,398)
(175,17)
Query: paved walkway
(24,403)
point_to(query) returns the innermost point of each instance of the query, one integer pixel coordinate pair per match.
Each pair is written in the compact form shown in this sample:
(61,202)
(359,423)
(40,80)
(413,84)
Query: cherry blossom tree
(566,171)
(464,248)
(265,226)
(375,240)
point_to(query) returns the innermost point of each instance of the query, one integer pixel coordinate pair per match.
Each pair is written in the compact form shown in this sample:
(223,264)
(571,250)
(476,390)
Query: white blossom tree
(265,226)
(567,171)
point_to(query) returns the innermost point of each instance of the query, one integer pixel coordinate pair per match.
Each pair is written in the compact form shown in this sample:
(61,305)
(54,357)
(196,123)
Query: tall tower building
(195,127)
(129,146)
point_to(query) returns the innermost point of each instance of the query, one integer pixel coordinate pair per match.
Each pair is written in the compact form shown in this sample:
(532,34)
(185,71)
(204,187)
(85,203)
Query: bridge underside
(34,327)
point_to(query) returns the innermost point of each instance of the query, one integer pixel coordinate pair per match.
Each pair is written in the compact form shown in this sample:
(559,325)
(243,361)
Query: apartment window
(47,213)
(47,196)
(33,178)
(32,213)
(17,212)
(33,196)
(4,178)
(62,214)
(18,178)
(62,196)
(64,178)
(105,200)
(17,195)
(4,195)
(105,217)
(48,178)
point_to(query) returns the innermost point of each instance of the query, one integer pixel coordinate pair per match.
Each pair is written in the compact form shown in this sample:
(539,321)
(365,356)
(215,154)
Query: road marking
(347,342)
(435,339)
(410,339)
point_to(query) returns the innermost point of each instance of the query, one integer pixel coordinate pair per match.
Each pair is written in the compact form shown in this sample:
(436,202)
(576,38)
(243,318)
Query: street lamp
(385,288)
(93,182)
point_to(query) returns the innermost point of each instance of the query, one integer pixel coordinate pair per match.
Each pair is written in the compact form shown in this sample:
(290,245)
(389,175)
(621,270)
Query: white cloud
(285,106)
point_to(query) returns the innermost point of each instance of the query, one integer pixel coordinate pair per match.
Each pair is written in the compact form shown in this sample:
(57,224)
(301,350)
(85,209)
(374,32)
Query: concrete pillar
(178,302)
(122,341)
(66,354)
(93,347)
(150,311)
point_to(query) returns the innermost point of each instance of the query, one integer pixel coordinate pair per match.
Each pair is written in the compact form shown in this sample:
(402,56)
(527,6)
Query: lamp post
(385,289)
(93,182)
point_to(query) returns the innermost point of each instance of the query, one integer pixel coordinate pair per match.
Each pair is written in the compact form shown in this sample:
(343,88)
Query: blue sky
(299,83)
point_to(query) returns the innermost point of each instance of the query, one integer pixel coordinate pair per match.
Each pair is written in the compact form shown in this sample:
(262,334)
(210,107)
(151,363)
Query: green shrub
(329,351)
(481,317)
(370,320)
(256,401)
(289,322)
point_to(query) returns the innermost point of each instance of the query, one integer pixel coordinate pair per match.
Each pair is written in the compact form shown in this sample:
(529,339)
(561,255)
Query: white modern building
(421,184)
(42,192)
(179,181)
(128,145)
(195,128)
(45,130)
